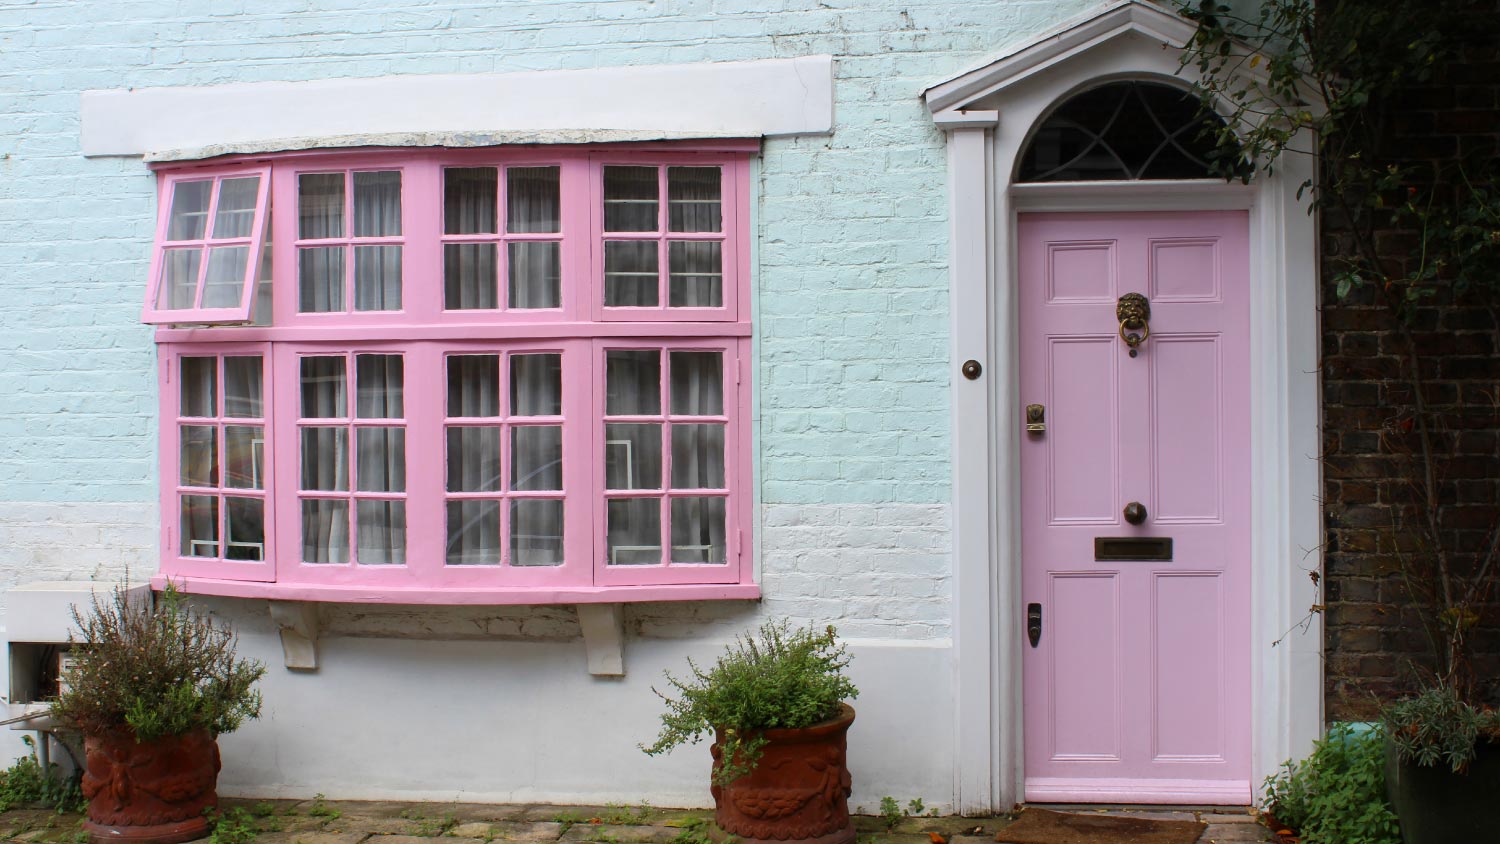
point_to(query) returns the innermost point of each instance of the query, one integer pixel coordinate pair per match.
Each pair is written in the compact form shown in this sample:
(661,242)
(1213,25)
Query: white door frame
(988,114)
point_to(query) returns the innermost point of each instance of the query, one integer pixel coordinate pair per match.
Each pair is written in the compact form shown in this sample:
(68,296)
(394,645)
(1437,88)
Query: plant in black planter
(1443,757)
(151,689)
(776,706)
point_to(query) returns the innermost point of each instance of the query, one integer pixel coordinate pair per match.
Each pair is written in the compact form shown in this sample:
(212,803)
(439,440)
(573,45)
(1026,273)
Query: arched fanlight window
(1123,131)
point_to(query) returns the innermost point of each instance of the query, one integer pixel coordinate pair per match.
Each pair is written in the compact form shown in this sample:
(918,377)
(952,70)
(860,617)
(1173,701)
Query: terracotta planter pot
(151,792)
(799,791)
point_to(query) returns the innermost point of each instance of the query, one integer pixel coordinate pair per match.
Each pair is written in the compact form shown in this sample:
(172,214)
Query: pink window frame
(166,186)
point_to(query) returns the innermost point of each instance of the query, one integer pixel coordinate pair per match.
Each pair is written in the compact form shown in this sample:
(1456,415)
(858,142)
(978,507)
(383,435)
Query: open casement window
(210,234)
(463,393)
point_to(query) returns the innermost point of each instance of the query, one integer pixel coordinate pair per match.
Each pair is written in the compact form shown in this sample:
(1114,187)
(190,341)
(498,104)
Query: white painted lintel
(604,638)
(298,623)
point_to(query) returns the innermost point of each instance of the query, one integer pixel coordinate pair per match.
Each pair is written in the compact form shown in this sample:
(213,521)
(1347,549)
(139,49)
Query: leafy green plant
(235,826)
(157,671)
(321,809)
(1336,795)
(25,783)
(700,831)
(779,678)
(890,813)
(1437,726)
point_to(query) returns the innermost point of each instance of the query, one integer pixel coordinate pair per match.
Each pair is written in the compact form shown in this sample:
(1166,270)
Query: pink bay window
(466,376)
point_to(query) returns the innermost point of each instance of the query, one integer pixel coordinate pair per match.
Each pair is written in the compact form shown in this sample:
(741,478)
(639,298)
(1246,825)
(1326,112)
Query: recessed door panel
(1188,463)
(1184,270)
(1085,666)
(1080,373)
(1080,271)
(1188,667)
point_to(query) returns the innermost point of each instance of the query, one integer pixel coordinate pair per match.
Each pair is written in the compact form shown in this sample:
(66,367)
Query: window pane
(244,456)
(260,309)
(536,385)
(473,385)
(697,383)
(536,457)
(325,531)
(199,463)
(634,532)
(473,533)
(632,383)
(235,216)
(224,284)
(325,459)
(630,199)
(320,279)
(381,527)
(698,530)
(469,276)
(473,459)
(469,200)
(179,278)
(377,204)
(246,527)
(377,278)
(532,199)
(536,532)
(535,275)
(320,205)
(696,279)
(242,387)
(189,210)
(323,388)
(632,456)
(200,387)
(382,459)
(200,526)
(631,274)
(693,199)
(698,456)
(379,382)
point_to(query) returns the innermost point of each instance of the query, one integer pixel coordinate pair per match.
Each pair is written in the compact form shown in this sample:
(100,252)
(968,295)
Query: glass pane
(246,526)
(320,279)
(473,533)
(470,195)
(697,383)
(382,459)
(473,385)
(235,215)
(536,457)
(698,530)
(377,204)
(200,387)
(698,456)
(260,309)
(634,532)
(179,278)
(694,203)
(630,199)
(377,278)
(532,199)
(224,283)
(200,526)
(695,277)
(199,462)
(536,385)
(325,531)
(323,388)
(535,275)
(320,205)
(244,456)
(632,456)
(325,459)
(242,387)
(632,383)
(189,210)
(536,532)
(379,384)
(469,276)
(631,274)
(473,459)
(381,527)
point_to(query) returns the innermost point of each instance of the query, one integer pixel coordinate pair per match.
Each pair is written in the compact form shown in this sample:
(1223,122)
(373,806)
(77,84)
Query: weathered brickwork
(1373,639)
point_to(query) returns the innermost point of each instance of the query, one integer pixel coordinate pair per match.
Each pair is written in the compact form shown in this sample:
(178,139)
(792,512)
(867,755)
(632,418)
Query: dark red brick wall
(1373,640)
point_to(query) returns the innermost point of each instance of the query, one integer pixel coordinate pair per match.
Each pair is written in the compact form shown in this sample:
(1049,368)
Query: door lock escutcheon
(1036,419)
(1034,623)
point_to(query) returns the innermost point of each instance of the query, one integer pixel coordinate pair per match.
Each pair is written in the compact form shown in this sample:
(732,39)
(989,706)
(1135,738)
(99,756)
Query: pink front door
(1137,688)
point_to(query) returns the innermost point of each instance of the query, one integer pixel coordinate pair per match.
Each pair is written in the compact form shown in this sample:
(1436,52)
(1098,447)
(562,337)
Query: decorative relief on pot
(799,791)
(153,791)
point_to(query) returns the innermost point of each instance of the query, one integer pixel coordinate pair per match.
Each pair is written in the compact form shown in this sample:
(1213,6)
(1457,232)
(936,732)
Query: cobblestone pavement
(342,822)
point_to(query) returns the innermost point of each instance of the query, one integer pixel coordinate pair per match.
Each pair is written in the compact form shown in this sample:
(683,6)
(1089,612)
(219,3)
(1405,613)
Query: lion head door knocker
(1134,313)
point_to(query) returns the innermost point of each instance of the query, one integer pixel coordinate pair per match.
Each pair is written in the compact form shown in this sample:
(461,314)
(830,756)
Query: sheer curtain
(320,215)
(697,522)
(325,460)
(470,199)
(473,459)
(695,273)
(377,213)
(380,454)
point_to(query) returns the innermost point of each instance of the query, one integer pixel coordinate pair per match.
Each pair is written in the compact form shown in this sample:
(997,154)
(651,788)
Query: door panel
(1138,689)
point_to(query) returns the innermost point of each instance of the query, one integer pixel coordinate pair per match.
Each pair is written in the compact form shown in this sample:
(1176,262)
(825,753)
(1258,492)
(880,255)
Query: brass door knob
(1135,512)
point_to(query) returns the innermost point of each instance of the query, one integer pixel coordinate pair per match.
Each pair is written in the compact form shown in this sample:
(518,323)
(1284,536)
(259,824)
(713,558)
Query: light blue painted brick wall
(851,244)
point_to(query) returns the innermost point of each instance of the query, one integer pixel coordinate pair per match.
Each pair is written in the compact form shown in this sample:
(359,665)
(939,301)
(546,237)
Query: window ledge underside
(458,595)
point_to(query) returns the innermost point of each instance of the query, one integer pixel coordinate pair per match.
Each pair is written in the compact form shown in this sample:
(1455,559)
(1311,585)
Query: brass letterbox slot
(1132,548)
